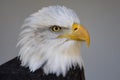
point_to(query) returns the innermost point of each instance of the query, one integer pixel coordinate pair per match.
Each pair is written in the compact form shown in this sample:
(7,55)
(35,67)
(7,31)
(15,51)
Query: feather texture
(40,48)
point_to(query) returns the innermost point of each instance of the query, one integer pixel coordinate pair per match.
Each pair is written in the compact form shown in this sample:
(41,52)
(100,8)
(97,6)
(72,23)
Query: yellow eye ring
(55,28)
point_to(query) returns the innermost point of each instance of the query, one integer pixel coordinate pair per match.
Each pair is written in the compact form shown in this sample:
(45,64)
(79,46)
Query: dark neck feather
(13,71)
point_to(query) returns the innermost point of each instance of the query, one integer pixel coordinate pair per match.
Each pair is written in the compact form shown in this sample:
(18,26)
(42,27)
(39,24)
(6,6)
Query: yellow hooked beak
(78,33)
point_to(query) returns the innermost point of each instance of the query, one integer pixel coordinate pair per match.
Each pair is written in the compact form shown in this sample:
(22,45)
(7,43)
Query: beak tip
(88,42)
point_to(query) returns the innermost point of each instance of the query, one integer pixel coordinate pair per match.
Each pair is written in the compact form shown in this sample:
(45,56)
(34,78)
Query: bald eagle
(50,42)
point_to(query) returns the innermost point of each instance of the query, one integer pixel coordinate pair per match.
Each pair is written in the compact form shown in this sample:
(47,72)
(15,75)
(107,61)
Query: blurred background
(100,17)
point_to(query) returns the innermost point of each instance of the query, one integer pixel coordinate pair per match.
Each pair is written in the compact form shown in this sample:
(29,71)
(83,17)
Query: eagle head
(51,40)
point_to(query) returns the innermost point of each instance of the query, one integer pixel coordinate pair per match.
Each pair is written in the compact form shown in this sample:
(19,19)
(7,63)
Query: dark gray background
(100,17)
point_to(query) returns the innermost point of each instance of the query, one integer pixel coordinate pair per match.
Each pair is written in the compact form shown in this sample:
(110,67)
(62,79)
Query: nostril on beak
(75,29)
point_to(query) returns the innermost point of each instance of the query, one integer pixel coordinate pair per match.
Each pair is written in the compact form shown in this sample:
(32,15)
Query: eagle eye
(55,28)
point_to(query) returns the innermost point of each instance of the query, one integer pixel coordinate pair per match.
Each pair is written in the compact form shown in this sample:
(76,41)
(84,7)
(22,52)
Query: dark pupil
(56,28)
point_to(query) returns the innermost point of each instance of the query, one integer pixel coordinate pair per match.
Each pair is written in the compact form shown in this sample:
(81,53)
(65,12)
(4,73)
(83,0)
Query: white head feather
(40,48)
